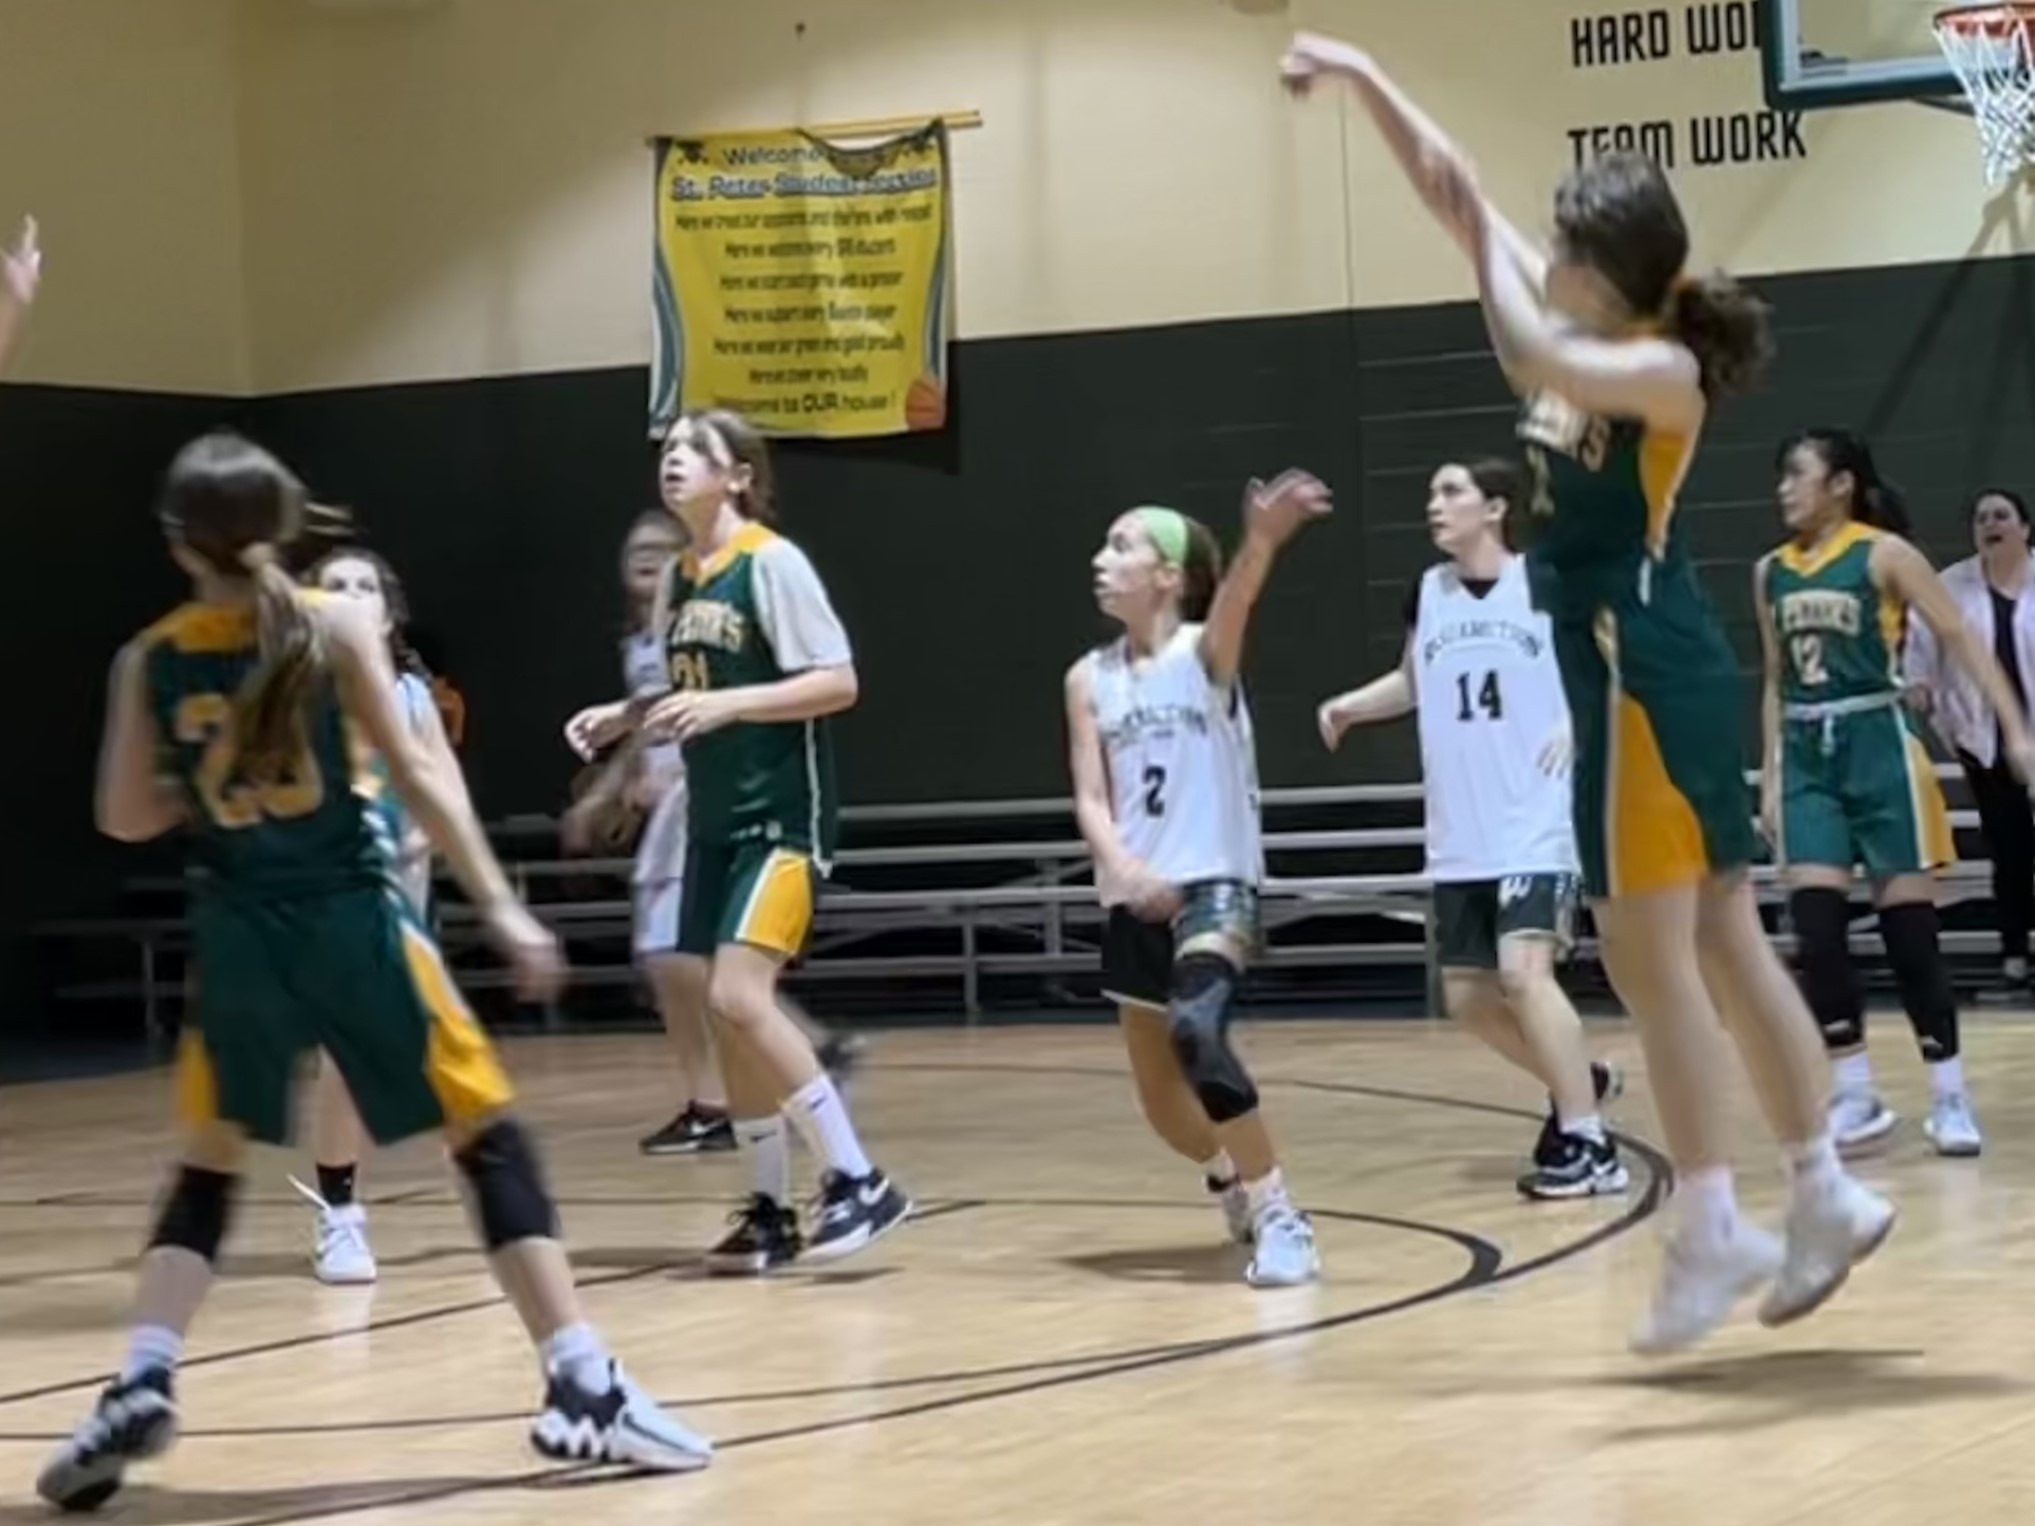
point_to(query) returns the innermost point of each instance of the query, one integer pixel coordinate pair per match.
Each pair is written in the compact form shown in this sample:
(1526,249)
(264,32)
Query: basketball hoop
(1991,48)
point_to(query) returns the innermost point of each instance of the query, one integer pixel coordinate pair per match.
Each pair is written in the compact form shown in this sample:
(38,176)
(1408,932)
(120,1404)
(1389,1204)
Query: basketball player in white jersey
(1479,667)
(1166,794)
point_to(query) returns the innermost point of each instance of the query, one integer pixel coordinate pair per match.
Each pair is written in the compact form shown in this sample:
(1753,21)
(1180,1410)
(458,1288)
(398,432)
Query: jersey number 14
(1486,698)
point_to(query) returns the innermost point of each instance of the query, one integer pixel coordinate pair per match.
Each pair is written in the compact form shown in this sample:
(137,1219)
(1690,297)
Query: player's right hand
(596,728)
(531,949)
(1150,898)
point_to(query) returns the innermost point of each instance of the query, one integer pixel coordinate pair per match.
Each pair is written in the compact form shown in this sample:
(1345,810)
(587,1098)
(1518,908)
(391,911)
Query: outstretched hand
(21,266)
(1311,55)
(1275,510)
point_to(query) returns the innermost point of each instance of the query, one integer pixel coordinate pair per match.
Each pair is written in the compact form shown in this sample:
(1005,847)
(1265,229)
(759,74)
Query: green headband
(1168,531)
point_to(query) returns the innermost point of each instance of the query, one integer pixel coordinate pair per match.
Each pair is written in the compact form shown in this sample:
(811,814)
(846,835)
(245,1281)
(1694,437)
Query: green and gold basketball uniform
(1654,693)
(1857,786)
(761,808)
(302,936)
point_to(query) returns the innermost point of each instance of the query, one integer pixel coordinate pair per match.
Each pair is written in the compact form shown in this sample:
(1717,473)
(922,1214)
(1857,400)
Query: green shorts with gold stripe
(1858,788)
(755,893)
(1658,711)
(350,971)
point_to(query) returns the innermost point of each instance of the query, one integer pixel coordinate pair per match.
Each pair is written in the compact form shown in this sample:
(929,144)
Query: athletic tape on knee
(509,1195)
(196,1213)
(1830,984)
(1204,989)
(1915,950)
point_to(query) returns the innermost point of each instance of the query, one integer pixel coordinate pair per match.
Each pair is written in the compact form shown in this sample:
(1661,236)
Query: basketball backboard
(1822,53)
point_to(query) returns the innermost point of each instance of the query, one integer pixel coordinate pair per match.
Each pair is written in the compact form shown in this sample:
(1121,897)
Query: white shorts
(657,905)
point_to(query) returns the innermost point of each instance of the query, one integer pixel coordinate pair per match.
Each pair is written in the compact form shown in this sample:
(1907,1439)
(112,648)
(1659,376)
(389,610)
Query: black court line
(1486,1269)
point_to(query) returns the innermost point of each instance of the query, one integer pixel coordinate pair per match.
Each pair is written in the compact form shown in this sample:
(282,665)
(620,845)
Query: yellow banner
(805,285)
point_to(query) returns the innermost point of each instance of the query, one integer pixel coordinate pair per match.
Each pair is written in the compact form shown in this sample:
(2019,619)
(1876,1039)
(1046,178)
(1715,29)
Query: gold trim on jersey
(1893,611)
(748,540)
(1664,461)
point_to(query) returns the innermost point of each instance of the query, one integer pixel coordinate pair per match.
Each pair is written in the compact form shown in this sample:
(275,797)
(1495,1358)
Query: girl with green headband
(1166,794)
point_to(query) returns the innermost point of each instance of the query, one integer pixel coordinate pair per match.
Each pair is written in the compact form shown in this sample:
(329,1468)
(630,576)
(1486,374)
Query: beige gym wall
(118,130)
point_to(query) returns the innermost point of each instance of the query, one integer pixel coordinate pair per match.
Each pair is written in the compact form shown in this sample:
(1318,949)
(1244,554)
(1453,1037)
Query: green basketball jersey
(1602,516)
(752,781)
(327,822)
(1839,635)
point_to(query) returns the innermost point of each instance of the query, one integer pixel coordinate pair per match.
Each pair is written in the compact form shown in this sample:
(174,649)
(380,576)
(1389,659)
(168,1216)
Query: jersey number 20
(1487,698)
(207,720)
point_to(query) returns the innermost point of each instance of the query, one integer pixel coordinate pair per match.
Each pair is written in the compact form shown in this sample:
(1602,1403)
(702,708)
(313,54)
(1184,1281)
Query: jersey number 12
(1487,698)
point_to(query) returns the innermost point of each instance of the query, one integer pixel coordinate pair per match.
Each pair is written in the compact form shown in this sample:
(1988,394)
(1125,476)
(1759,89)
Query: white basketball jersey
(1183,770)
(1490,697)
(660,854)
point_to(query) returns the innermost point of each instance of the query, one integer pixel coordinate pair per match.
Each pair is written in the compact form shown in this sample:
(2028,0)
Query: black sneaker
(854,1213)
(1575,1167)
(1607,1082)
(692,1132)
(134,1420)
(764,1238)
(623,1425)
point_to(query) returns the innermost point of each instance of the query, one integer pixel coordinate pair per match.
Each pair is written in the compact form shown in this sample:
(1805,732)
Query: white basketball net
(1991,49)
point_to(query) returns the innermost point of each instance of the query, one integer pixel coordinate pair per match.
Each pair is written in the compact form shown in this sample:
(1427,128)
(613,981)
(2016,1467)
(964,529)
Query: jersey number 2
(1487,698)
(206,720)
(1155,791)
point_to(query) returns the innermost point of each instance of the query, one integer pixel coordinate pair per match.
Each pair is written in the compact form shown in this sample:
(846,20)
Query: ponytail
(1727,329)
(268,711)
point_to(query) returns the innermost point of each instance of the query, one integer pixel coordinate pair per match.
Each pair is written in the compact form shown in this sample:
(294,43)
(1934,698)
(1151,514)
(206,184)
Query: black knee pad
(1915,950)
(1830,983)
(1204,989)
(509,1195)
(196,1213)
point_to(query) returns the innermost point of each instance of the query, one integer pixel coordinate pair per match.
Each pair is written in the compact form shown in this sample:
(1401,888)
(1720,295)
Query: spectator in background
(451,703)
(1993,589)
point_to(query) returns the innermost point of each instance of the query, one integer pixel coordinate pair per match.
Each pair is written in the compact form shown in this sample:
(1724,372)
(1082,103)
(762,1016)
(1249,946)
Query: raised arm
(132,803)
(1905,573)
(1273,514)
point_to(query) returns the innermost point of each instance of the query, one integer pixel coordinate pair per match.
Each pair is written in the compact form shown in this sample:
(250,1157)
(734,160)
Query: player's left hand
(21,266)
(2021,759)
(1274,511)
(690,713)
(1557,753)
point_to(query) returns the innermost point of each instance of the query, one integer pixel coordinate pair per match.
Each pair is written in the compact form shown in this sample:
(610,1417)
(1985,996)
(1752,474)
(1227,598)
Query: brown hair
(235,506)
(1201,571)
(733,441)
(1499,479)
(394,597)
(1618,215)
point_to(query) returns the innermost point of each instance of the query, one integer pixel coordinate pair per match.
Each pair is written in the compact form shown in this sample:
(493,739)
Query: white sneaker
(1286,1256)
(624,1425)
(1859,1120)
(1831,1228)
(1700,1284)
(342,1258)
(1952,1128)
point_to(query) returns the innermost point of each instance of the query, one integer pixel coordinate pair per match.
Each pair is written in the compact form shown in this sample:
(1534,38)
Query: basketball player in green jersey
(1618,354)
(253,716)
(1845,779)
(759,661)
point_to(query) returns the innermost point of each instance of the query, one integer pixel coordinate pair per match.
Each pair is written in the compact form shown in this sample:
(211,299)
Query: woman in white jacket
(1996,592)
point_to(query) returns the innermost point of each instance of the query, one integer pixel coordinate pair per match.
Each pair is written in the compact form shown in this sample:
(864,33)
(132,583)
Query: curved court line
(1486,1269)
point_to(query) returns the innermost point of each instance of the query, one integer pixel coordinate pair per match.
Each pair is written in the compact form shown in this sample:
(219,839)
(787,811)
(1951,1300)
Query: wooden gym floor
(1061,1338)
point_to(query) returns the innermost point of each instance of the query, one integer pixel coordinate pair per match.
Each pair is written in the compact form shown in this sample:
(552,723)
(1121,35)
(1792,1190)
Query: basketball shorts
(1473,917)
(1860,789)
(1659,715)
(1138,956)
(759,894)
(350,971)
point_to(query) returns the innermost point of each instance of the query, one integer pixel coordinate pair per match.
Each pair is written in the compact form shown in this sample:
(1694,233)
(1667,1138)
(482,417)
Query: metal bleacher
(975,904)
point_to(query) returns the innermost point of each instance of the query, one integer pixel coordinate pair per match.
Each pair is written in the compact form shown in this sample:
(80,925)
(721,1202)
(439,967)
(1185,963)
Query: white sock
(769,1147)
(824,1124)
(151,1346)
(1853,1074)
(576,1354)
(1709,1205)
(1590,1126)
(1219,1168)
(1267,1193)
(1946,1079)
(1813,1165)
